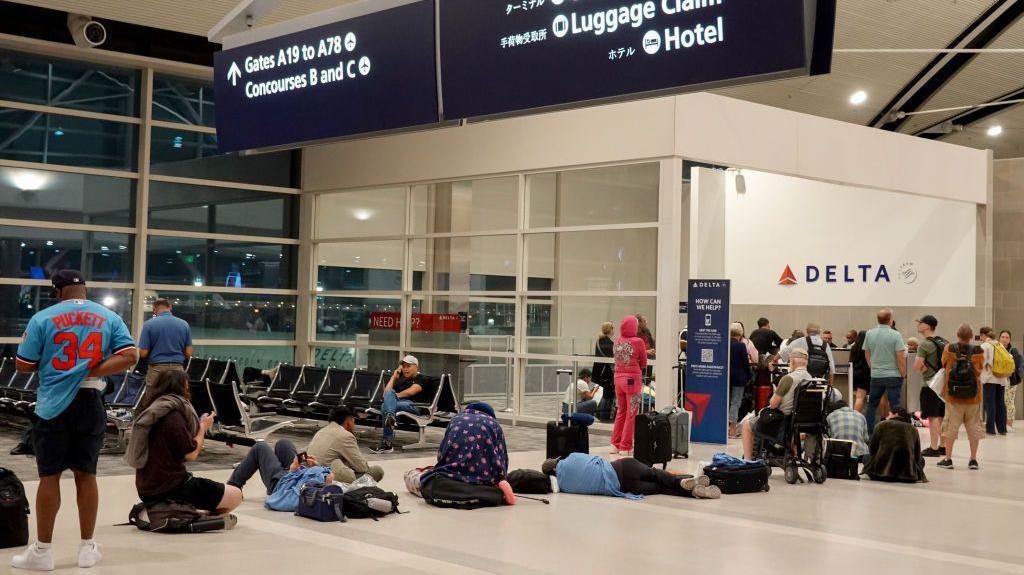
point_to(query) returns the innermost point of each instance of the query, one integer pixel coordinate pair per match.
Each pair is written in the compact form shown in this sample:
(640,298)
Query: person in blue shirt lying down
(584,474)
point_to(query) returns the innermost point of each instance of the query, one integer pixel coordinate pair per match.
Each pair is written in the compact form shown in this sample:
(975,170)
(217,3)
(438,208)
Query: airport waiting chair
(287,379)
(297,404)
(331,394)
(366,386)
(196,369)
(439,411)
(234,424)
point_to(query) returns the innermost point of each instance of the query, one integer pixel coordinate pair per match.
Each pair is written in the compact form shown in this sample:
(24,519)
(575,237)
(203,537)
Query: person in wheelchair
(783,400)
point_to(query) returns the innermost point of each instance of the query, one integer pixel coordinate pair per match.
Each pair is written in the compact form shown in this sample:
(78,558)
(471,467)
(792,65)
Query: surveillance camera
(86,32)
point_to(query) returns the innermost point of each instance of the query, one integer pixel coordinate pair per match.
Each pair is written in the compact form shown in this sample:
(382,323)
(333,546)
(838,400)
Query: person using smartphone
(403,391)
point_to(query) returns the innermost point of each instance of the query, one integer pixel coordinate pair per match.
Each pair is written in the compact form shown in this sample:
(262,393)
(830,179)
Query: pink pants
(629,404)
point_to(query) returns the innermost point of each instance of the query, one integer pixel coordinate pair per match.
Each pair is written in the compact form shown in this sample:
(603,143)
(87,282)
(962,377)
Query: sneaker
(230,521)
(930,452)
(704,481)
(942,450)
(946,463)
(385,448)
(709,492)
(614,451)
(89,555)
(34,559)
(973,465)
(626,453)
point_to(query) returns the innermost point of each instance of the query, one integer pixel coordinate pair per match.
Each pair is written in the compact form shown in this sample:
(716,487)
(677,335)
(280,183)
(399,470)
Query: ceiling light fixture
(995,131)
(28,181)
(858,97)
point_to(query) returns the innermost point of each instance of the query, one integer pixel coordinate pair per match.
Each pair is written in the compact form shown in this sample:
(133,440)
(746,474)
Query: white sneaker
(34,559)
(614,451)
(89,555)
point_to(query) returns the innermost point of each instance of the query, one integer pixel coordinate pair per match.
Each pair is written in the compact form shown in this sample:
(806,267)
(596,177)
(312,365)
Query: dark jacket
(896,453)
(739,364)
(604,373)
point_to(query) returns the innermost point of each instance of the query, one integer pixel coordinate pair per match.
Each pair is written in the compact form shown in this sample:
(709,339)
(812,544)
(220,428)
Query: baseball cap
(410,360)
(798,352)
(64,278)
(930,320)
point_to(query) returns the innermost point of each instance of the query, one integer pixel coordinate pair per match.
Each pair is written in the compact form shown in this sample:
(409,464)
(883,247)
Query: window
(183,101)
(565,325)
(200,262)
(60,83)
(479,324)
(442,263)
(379,212)
(260,357)
(187,154)
(466,206)
(613,195)
(362,320)
(233,316)
(37,253)
(612,260)
(360,266)
(67,140)
(222,210)
(19,303)
(42,195)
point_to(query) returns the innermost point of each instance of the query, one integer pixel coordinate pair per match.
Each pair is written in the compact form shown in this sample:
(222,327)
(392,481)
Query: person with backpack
(963,363)
(928,362)
(885,353)
(995,377)
(1018,375)
(820,362)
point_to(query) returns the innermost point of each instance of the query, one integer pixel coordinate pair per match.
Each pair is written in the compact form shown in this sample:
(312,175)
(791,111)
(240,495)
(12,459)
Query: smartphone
(303,457)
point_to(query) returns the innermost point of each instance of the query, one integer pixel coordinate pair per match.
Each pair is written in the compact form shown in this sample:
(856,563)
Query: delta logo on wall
(850,274)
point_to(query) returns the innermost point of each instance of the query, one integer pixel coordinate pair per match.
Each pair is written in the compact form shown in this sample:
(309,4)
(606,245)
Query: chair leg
(421,442)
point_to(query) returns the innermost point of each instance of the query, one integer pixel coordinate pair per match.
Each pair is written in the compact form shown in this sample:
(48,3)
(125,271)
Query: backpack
(14,511)
(1018,361)
(962,383)
(321,502)
(1002,361)
(818,364)
(286,493)
(369,503)
(530,482)
(940,346)
(163,517)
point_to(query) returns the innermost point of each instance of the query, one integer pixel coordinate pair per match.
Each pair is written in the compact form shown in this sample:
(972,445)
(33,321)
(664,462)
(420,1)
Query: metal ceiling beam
(944,67)
(975,115)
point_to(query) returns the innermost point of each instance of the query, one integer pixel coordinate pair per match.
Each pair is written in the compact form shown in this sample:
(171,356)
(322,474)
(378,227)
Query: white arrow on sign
(234,74)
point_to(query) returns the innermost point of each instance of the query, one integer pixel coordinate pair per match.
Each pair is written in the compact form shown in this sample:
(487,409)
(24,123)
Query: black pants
(635,477)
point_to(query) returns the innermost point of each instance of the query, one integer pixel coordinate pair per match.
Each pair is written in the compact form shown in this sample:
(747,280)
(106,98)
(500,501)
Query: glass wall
(498,281)
(221,231)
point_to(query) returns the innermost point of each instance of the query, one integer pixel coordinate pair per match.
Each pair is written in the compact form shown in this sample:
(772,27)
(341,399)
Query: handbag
(771,423)
(321,502)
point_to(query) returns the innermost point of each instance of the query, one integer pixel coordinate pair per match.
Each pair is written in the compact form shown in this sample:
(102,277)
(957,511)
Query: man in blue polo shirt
(72,345)
(166,342)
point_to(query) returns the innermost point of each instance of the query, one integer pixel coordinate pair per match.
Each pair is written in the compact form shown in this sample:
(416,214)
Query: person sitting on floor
(896,451)
(336,447)
(588,394)
(404,390)
(846,424)
(166,434)
(472,463)
(273,464)
(584,474)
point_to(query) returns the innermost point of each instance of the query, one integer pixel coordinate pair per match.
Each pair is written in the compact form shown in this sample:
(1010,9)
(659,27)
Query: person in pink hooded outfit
(630,362)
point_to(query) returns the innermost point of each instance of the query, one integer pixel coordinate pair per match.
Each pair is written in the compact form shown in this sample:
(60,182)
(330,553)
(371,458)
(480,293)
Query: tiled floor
(960,522)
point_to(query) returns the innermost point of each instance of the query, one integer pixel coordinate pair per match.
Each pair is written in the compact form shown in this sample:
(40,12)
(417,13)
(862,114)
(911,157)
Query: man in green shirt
(885,353)
(929,361)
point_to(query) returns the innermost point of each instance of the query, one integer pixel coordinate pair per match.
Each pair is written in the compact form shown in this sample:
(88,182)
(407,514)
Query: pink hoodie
(630,352)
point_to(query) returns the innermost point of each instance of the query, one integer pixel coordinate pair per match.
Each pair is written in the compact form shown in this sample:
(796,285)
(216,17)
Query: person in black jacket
(765,339)
(896,451)
(1015,380)
(604,373)
(861,373)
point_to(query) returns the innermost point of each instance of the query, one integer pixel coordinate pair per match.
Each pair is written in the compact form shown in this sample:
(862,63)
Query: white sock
(88,542)
(43,546)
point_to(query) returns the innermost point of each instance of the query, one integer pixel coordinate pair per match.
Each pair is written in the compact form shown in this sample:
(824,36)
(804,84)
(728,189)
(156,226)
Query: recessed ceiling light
(995,131)
(858,97)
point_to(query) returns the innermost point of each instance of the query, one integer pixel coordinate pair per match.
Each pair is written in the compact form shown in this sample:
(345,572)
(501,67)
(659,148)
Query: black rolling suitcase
(652,439)
(734,479)
(566,438)
(839,460)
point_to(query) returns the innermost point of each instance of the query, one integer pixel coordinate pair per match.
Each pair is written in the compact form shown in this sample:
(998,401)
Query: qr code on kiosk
(707,356)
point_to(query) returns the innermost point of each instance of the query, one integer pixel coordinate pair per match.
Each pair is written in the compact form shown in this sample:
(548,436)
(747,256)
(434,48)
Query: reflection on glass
(67,140)
(612,195)
(47,81)
(232,316)
(480,324)
(378,212)
(358,319)
(186,154)
(217,210)
(613,260)
(42,195)
(572,325)
(475,378)
(543,391)
(199,262)
(260,357)
(467,206)
(362,266)
(19,303)
(37,253)
(181,100)
(483,263)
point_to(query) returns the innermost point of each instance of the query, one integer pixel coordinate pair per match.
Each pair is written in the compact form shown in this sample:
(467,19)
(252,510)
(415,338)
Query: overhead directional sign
(504,56)
(371,73)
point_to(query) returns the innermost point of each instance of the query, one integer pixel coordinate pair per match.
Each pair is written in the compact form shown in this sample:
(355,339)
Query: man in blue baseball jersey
(72,345)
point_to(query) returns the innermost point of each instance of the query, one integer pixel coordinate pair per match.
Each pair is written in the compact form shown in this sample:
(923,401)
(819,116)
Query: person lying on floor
(896,450)
(166,434)
(584,474)
(336,447)
(275,464)
(472,463)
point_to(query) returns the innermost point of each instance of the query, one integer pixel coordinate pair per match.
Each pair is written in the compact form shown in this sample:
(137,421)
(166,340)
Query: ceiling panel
(1008,145)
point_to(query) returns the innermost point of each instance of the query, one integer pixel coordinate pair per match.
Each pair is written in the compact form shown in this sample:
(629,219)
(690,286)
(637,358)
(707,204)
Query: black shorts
(73,439)
(204,494)
(862,382)
(931,405)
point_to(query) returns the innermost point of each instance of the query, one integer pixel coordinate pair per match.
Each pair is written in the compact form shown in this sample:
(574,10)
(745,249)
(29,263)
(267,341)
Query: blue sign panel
(368,74)
(707,360)
(502,56)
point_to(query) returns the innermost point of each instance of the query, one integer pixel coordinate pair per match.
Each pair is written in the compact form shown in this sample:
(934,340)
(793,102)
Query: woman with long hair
(165,435)
(1015,380)
(604,373)
(861,372)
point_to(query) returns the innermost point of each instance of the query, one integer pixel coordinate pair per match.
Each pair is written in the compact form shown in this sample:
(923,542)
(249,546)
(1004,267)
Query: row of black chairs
(309,392)
(17,390)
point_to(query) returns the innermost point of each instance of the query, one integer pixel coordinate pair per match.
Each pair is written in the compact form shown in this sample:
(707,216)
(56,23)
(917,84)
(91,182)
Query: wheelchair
(800,443)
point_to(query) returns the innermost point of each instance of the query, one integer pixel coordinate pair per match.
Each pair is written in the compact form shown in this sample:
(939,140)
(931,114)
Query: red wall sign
(433,322)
